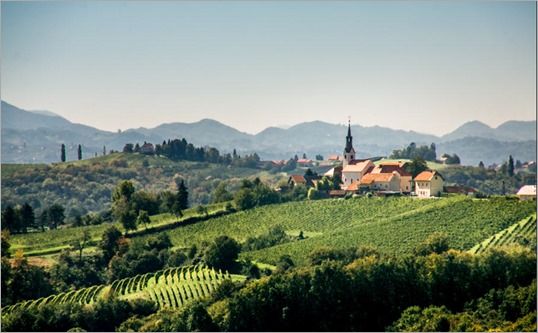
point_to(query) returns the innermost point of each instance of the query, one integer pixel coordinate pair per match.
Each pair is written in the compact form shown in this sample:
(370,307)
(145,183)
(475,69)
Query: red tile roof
(390,168)
(377,177)
(354,186)
(298,179)
(426,176)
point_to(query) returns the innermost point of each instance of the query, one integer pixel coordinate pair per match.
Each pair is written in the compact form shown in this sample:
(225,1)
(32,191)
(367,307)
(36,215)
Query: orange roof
(426,176)
(354,186)
(399,163)
(333,157)
(361,167)
(303,160)
(377,177)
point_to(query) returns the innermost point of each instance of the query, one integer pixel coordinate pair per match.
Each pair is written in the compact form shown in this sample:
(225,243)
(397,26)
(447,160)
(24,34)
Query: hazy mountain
(29,136)
(509,131)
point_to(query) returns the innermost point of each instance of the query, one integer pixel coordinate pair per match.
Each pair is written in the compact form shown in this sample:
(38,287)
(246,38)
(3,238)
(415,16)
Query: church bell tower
(349,152)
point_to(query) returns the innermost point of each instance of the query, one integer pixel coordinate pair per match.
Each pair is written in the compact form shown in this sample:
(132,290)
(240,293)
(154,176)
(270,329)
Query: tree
(128,148)
(104,150)
(481,164)
(417,165)
(511,166)
(143,218)
(125,214)
(319,157)
(79,152)
(221,194)
(244,199)
(80,243)
(122,205)
(182,195)
(55,216)
(63,153)
(9,218)
(435,243)
(223,253)
(109,242)
(27,217)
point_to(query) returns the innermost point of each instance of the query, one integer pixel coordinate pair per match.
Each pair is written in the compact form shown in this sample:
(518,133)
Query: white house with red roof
(429,184)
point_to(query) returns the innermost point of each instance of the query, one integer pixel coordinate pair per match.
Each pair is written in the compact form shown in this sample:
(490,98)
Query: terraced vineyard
(516,233)
(172,287)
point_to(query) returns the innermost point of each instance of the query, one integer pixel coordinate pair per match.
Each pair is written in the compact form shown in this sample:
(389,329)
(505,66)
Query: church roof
(361,167)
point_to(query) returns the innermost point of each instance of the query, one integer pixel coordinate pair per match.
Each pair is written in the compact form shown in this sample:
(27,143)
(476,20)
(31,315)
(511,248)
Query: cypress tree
(63,153)
(510,166)
(79,152)
(182,195)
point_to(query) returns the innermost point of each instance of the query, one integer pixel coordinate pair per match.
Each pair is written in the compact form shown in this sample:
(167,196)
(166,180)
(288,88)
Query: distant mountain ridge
(32,137)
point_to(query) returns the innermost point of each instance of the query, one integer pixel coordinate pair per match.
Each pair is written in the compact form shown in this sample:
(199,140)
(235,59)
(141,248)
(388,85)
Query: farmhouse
(308,181)
(527,192)
(381,181)
(428,184)
(147,148)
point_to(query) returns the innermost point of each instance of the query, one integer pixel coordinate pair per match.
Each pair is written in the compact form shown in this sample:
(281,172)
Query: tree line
(428,153)
(181,150)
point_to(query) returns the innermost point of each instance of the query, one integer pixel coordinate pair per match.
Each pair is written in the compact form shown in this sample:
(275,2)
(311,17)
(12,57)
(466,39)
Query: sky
(422,66)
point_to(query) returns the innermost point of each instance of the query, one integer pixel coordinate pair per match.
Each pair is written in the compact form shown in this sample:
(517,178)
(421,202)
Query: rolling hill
(30,137)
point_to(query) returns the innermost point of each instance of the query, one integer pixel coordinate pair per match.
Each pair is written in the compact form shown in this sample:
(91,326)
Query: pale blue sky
(423,66)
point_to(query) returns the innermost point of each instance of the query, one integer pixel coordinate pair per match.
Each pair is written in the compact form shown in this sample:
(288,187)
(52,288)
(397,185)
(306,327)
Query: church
(363,174)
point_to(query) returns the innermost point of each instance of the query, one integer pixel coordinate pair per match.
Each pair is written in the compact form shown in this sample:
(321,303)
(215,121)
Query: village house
(381,181)
(308,181)
(404,176)
(527,192)
(429,184)
(147,148)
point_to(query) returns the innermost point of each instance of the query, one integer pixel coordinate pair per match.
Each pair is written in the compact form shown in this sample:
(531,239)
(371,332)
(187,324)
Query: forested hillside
(86,186)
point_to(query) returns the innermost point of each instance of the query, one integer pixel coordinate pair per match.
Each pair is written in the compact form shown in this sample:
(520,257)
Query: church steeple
(349,138)
(349,152)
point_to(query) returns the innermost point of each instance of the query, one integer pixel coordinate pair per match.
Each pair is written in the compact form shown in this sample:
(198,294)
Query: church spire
(349,152)
(349,138)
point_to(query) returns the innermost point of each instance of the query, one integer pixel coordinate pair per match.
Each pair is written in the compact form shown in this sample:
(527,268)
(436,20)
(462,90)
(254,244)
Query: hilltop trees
(412,151)
(79,152)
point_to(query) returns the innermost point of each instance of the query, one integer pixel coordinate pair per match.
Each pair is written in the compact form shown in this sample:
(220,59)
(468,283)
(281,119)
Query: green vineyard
(516,233)
(172,287)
